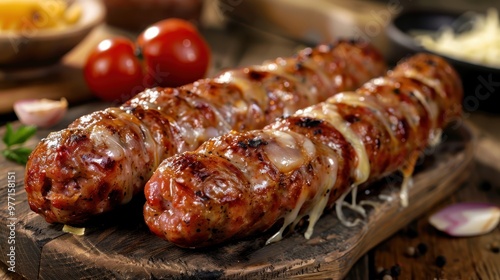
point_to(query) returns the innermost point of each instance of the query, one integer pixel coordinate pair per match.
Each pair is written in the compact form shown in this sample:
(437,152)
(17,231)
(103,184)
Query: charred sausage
(104,159)
(245,182)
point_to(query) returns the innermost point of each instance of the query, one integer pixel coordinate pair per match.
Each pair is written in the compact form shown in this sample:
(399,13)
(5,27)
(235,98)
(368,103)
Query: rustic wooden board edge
(270,261)
(466,257)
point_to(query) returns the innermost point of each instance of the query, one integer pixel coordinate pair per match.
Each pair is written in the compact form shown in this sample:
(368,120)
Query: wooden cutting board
(120,246)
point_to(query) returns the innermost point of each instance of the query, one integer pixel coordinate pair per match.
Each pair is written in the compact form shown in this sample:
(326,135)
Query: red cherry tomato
(113,72)
(174,53)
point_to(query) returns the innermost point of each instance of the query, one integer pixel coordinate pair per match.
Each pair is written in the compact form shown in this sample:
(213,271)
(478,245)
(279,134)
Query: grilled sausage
(103,159)
(244,183)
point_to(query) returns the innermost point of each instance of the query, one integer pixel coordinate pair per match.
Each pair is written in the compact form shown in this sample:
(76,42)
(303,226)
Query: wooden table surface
(466,258)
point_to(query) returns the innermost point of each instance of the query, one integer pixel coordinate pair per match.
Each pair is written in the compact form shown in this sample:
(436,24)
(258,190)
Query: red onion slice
(40,112)
(466,219)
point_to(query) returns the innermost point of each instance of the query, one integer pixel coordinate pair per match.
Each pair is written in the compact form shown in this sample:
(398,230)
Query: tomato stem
(138,53)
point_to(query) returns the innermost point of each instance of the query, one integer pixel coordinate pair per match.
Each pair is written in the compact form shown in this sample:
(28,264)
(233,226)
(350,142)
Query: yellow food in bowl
(19,15)
(480,44)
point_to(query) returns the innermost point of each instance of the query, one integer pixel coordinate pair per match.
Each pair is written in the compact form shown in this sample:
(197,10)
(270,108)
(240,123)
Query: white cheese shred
(321,198)
(340,214)
(407,171)
(291,217)
(405,187)
(73,230)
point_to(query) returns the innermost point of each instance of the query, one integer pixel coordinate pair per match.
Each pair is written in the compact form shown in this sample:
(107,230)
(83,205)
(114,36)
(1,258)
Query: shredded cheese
(481,44)
(73,230)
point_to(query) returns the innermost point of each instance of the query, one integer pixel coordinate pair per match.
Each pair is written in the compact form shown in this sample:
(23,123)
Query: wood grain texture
(466,257)
(120,246)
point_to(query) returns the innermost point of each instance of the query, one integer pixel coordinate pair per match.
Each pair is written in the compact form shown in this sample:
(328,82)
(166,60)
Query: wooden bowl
(41,48)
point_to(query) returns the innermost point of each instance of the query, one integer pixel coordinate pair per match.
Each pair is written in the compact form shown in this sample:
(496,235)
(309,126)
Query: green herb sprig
(14,140)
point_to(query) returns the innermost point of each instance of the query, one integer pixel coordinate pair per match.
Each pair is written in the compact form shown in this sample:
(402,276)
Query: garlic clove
(40,112)
(466,219)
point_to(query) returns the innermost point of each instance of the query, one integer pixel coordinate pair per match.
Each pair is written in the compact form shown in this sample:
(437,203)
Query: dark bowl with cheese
(481,82)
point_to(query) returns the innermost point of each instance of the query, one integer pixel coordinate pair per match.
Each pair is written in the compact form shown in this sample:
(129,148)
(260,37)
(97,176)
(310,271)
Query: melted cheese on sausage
(435,133)
(321,198)
(117,148)
(354,99)
(431,107)
(313,65)
(143,132)
(310,93)
(249,89)
(284,151)
(409,112)
(289,151)
(194,136)
(288,219)
(433,83)
(328,112)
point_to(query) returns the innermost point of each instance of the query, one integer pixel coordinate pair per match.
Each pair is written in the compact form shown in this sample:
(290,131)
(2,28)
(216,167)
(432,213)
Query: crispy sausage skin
(103,159)
(245,182)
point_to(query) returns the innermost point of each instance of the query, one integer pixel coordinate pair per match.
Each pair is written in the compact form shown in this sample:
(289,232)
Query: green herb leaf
(8,154)
(8,134)
(12,137)
(19,136)
(19,155)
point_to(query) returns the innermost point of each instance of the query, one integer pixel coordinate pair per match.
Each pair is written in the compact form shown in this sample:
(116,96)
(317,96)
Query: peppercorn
(395,270)
(422,248)
(495,248)
(410,251)
(383,273)
(440,261)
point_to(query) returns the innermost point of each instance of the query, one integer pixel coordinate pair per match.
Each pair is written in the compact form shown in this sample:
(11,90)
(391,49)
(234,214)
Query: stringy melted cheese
(328,112)
(435,133)
(354,99)
(195,135)
(288,219)
(408,111)
(322,196)
(140,130)
(433,83)
(288,152)
(115,149)
(405,188)
(411,116)
(118,149)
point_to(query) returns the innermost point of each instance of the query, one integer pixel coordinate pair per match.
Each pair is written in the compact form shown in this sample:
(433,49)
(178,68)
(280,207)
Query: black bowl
(481,83)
